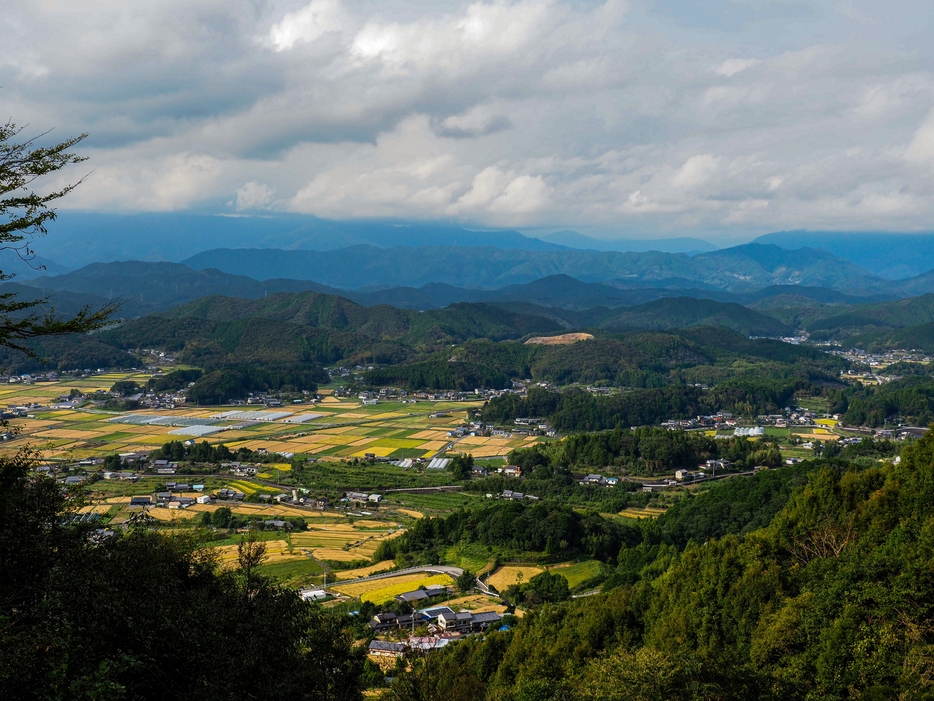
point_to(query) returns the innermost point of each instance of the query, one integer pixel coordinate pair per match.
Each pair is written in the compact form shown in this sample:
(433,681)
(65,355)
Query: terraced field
(343,542)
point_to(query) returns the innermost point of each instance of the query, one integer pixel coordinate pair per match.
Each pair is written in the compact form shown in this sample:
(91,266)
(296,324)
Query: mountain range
(742,268)
(892,256)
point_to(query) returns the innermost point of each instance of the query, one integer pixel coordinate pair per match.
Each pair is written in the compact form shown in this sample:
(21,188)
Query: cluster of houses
(510,495)
(442,622)
(362,498)
(600,480)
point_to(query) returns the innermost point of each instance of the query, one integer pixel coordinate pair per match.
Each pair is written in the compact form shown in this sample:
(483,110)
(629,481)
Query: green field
(580,572)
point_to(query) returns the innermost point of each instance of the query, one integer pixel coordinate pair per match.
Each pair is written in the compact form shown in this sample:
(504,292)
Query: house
(594,479)
(381,648)
(140,501)
(206,498)
(482,621)
(322,504)
(163,496)
(375,498)
(75,479)
(432,614)
(314,595)
(459,622)
(383,621)
(275,523)
(421,594)
(478,471)
(511,471)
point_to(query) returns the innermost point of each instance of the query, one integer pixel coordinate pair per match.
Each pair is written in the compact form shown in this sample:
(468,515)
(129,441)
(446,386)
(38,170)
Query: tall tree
(24,214)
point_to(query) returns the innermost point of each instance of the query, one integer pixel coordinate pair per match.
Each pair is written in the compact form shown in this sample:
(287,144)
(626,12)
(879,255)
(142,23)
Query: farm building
(381,648)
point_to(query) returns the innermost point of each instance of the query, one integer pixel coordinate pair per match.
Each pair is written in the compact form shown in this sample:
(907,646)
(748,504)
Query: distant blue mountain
(684,244)
(741,268)
(12,264)
(78,239)
(892,256)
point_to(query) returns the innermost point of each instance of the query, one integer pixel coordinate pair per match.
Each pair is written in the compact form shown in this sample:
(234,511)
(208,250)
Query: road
(452,572)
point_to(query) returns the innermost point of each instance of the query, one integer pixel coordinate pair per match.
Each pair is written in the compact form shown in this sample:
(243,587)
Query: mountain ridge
(741,268)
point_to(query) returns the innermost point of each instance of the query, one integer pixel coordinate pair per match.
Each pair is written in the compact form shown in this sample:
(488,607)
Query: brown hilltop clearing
(564,339)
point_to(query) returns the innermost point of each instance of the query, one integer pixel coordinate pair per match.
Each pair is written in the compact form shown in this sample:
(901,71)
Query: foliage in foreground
(141,615)
(831,600)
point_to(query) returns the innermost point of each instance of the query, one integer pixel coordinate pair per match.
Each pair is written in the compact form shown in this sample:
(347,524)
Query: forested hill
(457,322)
(831,599)
(682,312)
(869,318)
(478,320)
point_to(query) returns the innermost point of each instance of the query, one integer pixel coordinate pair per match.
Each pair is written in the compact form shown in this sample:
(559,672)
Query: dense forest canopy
(821,590)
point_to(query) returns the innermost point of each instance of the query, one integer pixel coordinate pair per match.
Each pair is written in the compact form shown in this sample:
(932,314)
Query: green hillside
(681,312)
(875,317)
(457,322)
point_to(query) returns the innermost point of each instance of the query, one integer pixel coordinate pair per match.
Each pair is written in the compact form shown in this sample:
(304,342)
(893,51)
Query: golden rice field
(342,542)
(478,603)
(75,434)
(822,436)
(360,572)
(276,551)
(509,574)
(411,512)
(633,512)
(381,590)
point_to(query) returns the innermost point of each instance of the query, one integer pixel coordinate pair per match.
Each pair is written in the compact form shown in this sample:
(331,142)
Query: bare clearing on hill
(564,339)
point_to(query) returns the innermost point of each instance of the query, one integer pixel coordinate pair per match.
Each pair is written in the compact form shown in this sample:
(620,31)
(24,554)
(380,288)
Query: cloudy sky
(641,118)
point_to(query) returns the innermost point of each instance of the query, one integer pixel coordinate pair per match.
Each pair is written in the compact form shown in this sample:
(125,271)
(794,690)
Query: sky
(722,118)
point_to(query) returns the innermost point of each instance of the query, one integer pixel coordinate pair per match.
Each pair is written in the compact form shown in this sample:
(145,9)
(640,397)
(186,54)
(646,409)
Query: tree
(466,581)
(24,215)
(461,466)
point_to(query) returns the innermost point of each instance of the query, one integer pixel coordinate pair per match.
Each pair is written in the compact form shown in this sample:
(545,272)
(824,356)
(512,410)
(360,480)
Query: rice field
(361,572)
(343,542)
(510,574)
(276,551)
(635,512)
(380,590)
(333,429)
(579,572)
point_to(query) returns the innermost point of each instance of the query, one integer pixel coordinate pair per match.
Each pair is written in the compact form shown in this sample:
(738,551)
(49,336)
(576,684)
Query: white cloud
(921,148)
(482,32)
(253,195)
(308,24)
(696,171)
(495,112)
(732,66)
